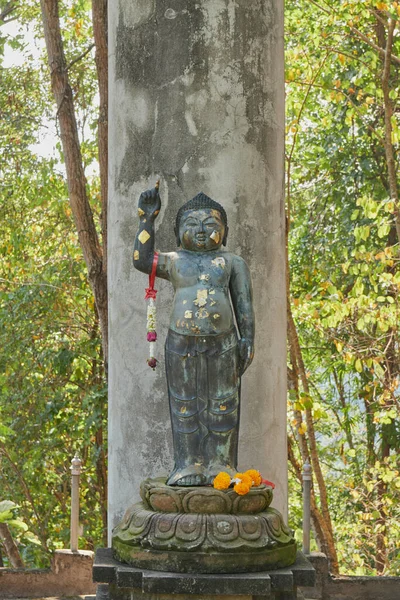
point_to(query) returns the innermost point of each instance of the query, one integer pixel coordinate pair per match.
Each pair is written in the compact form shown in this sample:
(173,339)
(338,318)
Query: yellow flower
(242,488)
(244,478)
(222,481)
(255,476)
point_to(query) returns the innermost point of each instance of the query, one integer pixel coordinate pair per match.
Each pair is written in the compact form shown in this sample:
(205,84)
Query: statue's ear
(178,239)
(225,236)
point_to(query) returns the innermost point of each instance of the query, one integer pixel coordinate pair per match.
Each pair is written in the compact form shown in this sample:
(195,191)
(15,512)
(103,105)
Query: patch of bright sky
(34,48)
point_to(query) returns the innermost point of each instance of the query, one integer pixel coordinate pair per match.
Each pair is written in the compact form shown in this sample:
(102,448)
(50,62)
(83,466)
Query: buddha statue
(210,342)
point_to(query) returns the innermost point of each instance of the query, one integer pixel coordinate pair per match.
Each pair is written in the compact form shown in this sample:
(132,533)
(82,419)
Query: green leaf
(18,524)
(7,505)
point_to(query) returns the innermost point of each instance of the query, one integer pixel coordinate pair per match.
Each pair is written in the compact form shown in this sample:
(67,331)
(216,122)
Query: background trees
(343,214)
(53,394)
(343,240)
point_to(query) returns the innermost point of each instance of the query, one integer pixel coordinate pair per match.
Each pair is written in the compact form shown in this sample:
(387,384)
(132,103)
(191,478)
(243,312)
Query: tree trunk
(388,107)
(310,449)
(76,179)
(101,476)
(99,13)
(325,524)
(100,27)
(10,547)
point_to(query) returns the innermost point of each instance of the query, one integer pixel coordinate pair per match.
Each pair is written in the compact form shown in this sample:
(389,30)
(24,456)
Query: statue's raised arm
(143,249)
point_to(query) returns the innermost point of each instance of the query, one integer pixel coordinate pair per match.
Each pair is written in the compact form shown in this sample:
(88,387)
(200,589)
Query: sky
(34,48)
(46,145)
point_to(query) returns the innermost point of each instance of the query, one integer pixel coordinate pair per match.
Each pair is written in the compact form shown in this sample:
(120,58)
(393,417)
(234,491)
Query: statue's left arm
(242,300)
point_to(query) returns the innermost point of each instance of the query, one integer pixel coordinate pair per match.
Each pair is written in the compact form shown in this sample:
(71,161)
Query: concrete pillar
(197,100)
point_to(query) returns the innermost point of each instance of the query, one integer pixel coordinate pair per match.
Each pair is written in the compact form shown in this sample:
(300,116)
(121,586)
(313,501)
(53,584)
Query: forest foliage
(342,65)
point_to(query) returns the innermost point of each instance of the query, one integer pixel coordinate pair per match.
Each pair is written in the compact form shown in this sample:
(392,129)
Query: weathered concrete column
(197,100)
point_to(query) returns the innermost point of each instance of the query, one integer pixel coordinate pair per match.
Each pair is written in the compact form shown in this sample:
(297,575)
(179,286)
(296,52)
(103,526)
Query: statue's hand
(246,354)
(149,204)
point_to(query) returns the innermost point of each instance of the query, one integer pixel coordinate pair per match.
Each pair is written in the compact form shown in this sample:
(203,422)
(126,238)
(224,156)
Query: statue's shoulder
(236,259)
(238,265)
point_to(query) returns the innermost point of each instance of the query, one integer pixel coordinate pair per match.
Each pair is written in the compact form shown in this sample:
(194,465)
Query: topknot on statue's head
(199,202)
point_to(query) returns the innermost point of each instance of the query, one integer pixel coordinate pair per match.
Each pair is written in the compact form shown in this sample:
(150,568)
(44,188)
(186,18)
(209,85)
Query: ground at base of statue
(124,582)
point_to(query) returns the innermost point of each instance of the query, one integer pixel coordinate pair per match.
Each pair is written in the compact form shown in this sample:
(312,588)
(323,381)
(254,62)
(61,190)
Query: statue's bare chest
(208,269)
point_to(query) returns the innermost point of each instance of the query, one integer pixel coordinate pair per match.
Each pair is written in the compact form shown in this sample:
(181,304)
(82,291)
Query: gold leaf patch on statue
(136,255)
(202,313)
(204,277)
(201,299)
(215,236)
(188,314)
(219,262)
(144,236)
(141,212)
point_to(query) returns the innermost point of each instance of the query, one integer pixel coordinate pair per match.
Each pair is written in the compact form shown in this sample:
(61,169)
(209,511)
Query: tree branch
(359,34)
(389,151)
(78,58)
(10,547)
(290,156)
(381,51)
(7,10)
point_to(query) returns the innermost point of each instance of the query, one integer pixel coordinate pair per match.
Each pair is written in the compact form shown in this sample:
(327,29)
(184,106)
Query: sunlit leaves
(344,260)
(52,391)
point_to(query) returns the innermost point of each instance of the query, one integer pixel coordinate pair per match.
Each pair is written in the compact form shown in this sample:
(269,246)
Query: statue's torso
(202,303)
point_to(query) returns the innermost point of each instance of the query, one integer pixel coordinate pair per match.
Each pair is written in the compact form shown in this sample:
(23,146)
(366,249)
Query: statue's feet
(189,480)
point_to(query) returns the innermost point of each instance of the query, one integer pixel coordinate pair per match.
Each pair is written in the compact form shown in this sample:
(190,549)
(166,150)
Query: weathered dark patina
(205,356)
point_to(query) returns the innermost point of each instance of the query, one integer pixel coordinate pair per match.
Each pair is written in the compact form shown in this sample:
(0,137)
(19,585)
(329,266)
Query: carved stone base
(202,530)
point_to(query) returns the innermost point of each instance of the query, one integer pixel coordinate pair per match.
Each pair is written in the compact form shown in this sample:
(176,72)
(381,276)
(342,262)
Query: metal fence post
(307,478)
(75,475)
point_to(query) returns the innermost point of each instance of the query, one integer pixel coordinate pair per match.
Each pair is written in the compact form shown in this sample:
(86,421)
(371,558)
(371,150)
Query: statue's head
(201,224)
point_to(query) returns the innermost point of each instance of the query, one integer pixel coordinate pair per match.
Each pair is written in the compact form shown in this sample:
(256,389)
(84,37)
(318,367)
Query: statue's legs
(204,390)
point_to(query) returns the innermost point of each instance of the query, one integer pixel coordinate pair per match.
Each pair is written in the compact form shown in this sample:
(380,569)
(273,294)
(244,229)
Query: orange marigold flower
(242,488)
(255,476)
(244,478)
(222,481)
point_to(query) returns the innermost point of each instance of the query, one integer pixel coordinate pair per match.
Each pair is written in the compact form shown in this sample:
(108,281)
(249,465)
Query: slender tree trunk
(310,450)
(386,40)
(76,179)
(316,467)
(100,27)
(101,475)
(101,485)
(10,547)
(388,107)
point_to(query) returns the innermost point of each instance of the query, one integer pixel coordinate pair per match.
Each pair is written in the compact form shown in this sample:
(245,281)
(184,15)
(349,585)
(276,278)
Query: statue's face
(201,230)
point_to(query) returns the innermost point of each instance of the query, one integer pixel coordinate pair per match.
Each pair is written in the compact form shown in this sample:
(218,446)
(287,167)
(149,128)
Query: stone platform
(123,582)
(203,530)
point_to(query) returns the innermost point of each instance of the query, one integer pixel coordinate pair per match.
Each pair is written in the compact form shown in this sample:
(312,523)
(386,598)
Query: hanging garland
(151,295)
